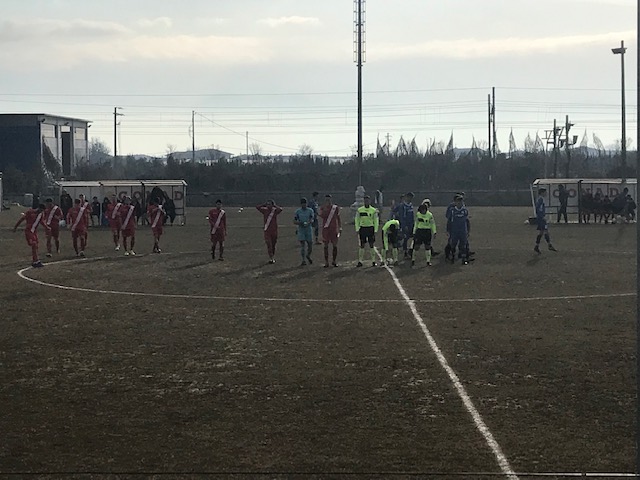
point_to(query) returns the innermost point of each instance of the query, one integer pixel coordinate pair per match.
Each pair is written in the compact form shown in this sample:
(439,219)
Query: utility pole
(490,118)
(493,117)
(193,136)
(568,143)
(247,138)
(621,51)
(388,144)
(359,19)
(116,114)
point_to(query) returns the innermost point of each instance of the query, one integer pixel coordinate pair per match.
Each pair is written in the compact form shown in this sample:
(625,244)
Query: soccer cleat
(428,264)
(465,262)
(309,259)
(126,253)
(374,264)
(132,253)
(77,254)
(326,265)
(303,264)
(334,264)
(552,248)
(82,254)
(413,262)
(117,248)
(158,251)
(49,255)
(359,264)
(270,261)
(37,264)
(220,259)
(537,249)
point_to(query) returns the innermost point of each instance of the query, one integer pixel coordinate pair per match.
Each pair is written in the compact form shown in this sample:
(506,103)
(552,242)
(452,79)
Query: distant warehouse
(37,143)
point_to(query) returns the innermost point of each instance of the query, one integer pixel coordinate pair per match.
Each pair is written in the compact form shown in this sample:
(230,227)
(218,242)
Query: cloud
(294,20)
(213,50)
(35,29)
(478,48)
(155,22)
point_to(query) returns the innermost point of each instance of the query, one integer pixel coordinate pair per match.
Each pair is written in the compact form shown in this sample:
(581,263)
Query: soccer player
(156,218)
(543,227)
(34,217)
(367,224)
(313,205)
(406,216)
(270,212)
(218,223)
(459,225)
(390,232)
(113,215)
(78,221)
(52,217)
(331,229)
(423,231)
(303,218)
(128,225)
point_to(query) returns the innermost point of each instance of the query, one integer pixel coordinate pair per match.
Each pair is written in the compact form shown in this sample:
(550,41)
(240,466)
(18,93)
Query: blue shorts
(305,234)
(542,225)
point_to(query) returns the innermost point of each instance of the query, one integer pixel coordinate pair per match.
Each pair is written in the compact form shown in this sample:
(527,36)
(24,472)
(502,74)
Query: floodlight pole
(637,239)
(359,10)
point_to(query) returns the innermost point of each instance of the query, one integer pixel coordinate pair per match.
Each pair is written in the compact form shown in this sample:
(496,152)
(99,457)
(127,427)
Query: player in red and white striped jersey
(156,215)
(34,218)
(270,211)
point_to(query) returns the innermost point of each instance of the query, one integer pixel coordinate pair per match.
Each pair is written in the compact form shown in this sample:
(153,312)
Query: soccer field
(180,366)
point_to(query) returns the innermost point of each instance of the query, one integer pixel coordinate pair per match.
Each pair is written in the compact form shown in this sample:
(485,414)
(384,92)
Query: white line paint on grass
(22,274)
(462,392)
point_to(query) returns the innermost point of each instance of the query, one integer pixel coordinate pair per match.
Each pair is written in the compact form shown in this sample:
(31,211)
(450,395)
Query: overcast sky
(283,70)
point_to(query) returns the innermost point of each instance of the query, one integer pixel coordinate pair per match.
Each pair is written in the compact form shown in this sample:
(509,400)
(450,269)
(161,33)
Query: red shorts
(157,231)
(32,238)
(329,235)
(77,233)
(130,232)
(53,233)
(217,237)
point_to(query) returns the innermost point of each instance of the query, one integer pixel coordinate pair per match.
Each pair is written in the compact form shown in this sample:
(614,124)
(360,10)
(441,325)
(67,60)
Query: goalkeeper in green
(423,231)
(367,223)
(390,232)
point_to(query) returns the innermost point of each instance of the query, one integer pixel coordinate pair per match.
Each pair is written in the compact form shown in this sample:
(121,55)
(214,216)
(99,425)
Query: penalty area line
(482,427)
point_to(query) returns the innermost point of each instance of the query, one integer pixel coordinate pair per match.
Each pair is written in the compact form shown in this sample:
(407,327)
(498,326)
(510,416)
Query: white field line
(503,462)
(21,273)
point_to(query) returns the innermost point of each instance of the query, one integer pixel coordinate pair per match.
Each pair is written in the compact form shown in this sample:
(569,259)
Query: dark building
(41,144)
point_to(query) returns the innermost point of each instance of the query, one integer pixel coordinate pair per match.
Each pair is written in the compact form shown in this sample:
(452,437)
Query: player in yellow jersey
(390,231)
(367,224)
(423,231)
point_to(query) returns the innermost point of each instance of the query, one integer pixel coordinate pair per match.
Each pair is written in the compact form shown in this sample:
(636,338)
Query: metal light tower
(359,11)
(621,51)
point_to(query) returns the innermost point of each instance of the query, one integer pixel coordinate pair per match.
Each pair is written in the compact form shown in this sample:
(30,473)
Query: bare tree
(256,150)
(98,151)
(305,150)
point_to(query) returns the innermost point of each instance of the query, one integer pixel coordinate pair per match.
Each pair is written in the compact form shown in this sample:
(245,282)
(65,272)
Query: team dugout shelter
(175,190)
(577,188)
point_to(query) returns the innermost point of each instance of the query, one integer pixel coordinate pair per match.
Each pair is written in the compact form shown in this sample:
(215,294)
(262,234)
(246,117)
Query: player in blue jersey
(406,215)
(543,226)
(304,218)
(459,228)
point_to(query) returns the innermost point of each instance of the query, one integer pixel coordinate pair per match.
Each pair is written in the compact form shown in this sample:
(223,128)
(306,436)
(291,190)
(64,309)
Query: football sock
(221,249)
(428,254)
(547,238)
(361,254)
(335,253)
(326,252)
(538,238)
(34,253)
(302,251)
(75,244)
(373,254)
(395,254)
(309,248)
